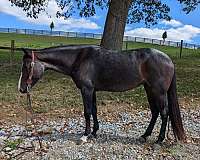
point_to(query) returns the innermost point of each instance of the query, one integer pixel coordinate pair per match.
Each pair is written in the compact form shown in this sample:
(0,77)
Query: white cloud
(172,23)
(184,32)
(43,19)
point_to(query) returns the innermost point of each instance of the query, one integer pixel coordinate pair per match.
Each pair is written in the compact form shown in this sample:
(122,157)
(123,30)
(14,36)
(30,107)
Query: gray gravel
(116,140)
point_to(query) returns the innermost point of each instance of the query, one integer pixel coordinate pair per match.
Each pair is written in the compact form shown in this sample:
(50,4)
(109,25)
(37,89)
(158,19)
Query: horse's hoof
(141,140)
(82,140)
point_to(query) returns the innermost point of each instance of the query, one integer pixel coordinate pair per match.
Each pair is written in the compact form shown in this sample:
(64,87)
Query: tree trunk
(115,24)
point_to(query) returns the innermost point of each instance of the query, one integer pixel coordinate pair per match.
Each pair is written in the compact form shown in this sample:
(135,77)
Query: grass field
(57,91)
(31,41)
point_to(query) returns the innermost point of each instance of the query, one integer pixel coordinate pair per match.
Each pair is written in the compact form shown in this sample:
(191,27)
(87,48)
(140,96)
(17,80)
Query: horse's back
(120,71)
(115,71)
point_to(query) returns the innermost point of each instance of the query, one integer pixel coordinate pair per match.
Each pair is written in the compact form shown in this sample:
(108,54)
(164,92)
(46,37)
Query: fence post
(152,41)
(126,42)
(12,50)
(181,49)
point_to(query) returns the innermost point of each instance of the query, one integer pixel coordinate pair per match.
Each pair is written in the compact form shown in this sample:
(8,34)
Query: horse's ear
(27,52)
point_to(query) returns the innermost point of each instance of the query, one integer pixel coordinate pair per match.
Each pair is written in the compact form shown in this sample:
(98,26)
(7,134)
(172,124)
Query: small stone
(7,149)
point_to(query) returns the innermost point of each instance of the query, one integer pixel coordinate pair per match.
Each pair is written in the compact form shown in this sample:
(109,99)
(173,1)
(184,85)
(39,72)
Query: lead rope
(32,118)
(30,109)
(29,105)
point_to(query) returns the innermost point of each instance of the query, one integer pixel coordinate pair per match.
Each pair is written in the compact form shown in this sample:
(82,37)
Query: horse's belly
(117,88)
(118,84)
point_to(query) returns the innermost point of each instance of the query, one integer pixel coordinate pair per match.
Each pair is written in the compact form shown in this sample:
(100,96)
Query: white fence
(96,36)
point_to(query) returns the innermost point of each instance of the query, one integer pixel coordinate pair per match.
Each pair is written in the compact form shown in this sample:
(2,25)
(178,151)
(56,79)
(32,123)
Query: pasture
(65,92)
(57,97)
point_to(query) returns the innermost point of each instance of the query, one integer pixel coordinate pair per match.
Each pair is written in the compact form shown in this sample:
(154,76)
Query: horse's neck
(59,62)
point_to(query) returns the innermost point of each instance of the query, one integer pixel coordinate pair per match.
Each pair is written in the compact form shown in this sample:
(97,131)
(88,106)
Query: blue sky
(182,26)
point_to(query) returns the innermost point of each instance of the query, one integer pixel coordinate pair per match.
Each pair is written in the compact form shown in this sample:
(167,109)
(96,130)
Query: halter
(29,80)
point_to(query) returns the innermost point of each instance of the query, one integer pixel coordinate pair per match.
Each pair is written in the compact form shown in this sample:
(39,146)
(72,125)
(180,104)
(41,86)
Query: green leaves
(140,10)
(13,143)
(32,7)
(148,11)
(189,5)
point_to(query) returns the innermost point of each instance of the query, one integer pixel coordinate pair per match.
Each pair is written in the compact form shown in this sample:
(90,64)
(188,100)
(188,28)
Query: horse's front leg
(94,115)
(87,95)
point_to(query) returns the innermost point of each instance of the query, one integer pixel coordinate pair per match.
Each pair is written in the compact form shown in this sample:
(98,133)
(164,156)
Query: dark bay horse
(93,68)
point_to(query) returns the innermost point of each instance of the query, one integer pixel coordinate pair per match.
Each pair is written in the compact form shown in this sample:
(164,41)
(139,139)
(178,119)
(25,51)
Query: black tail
(174,111)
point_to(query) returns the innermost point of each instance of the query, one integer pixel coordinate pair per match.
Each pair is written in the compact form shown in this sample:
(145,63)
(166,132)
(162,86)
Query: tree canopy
(148,11)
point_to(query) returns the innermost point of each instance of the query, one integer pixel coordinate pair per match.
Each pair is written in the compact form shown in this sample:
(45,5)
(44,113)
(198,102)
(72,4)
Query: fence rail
(96,36)
(11,48)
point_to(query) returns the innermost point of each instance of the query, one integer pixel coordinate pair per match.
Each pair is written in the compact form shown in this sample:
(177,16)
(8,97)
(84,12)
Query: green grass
(34,41)
(31,41)
(13,144)
(173,52)
(56,90)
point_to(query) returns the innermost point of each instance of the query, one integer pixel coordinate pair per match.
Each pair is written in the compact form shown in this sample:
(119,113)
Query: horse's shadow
(100,139)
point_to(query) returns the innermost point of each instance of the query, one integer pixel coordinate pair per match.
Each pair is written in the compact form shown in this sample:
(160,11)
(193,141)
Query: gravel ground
(116,139)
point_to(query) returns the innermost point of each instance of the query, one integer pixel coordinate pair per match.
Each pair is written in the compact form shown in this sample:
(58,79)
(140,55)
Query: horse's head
(31,71)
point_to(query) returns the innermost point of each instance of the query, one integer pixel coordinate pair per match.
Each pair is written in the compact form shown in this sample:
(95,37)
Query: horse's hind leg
(94,115)
(154,112)
(164,116)
(158,104)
